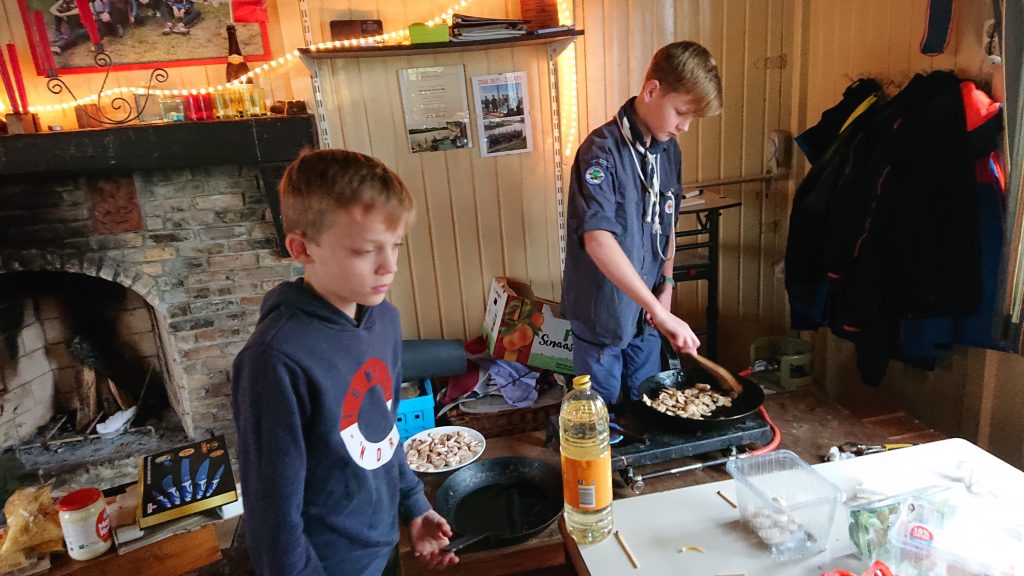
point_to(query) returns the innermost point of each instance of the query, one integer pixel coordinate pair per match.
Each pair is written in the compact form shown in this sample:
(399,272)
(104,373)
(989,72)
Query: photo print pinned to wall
(436,108)
(503,113)
(141,34)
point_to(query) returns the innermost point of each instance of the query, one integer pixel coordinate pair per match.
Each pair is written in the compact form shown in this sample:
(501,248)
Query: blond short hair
(689,68)
(320,182)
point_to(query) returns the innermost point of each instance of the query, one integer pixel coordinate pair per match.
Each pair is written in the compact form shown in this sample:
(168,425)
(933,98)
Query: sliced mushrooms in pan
(696,402)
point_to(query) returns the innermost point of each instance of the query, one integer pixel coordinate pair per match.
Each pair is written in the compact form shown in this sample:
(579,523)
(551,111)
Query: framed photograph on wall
(141,34)
(436,109)
(503,113)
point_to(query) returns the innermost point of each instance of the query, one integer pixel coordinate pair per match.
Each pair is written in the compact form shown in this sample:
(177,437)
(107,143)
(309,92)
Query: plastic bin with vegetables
(956,533)
(870,523)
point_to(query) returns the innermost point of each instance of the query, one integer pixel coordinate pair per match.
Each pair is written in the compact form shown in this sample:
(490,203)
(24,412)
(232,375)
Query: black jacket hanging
(885,226)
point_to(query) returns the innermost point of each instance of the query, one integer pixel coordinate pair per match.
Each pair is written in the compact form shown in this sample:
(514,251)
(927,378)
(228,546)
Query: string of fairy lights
(566,72)
(397,36)
(567,102)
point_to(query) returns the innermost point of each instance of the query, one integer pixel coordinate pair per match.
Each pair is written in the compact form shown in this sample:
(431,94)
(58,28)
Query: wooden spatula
(725,378)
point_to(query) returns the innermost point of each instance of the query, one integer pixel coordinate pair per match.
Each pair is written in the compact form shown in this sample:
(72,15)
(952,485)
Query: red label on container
(103,525)
(918,532)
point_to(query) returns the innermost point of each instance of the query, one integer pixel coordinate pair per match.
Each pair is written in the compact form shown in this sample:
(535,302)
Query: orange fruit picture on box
(520,323)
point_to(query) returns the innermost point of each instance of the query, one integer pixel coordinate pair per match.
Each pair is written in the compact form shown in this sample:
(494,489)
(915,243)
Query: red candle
(8,87)
(85,13)
(19,80)
(199,107)
(44,44)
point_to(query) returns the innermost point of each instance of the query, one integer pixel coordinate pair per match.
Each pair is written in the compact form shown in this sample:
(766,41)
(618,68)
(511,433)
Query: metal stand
(690,265)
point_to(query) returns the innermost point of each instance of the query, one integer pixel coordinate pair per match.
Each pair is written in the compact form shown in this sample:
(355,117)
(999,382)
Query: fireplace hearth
(71,462)
(180,217)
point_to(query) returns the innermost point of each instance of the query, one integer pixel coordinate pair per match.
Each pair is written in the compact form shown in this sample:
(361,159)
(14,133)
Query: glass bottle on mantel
(236,63)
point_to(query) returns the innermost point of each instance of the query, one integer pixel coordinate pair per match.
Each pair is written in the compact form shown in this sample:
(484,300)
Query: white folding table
(655,526)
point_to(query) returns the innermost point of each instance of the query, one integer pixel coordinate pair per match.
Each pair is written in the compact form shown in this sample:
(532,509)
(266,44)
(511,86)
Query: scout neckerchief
(650,175)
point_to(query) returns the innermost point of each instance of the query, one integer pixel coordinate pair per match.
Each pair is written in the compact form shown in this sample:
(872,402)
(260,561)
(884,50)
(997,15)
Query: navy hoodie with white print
(323,472)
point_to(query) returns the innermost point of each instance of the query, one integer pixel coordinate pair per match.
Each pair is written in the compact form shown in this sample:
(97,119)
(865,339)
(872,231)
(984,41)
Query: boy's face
(664,115)
(354,260)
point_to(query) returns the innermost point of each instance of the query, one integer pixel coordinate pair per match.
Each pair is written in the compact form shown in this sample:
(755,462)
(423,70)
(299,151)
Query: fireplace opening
(80,355)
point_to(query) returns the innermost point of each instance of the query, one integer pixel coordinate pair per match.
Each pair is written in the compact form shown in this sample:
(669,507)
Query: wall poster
(436,109)
(503,112)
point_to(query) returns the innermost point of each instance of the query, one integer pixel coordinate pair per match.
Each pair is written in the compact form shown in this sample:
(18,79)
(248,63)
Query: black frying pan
(743,405)
(504,501)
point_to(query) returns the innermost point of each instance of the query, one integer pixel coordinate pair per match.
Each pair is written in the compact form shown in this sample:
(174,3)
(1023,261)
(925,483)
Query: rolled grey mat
(432,358)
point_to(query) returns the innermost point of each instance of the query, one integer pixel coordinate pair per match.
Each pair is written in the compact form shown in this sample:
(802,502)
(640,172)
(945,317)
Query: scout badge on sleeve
(594,175)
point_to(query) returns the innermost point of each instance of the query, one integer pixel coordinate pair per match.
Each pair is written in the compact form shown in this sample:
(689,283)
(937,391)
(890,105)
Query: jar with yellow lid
(84,521)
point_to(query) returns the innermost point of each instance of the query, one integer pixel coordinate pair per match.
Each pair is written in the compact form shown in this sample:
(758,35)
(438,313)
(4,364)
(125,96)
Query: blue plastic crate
(416,414)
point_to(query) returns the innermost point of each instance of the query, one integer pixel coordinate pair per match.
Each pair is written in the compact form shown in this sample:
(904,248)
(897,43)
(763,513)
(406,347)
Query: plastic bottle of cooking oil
(586,463)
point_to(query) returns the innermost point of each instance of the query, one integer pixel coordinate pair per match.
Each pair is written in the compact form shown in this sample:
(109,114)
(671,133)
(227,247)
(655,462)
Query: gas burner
(661,446)
(643,445)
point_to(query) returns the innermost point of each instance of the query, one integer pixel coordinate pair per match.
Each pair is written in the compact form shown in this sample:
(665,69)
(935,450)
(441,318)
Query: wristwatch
(668,280)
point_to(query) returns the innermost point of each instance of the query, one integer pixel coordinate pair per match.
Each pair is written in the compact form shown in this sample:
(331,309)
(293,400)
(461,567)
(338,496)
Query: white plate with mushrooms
(443,448)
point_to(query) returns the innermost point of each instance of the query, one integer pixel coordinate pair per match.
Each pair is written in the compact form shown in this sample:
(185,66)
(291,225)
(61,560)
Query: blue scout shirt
(606,192)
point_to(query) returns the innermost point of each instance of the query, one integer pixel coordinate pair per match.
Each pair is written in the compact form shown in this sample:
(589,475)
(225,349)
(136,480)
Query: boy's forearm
(604,250)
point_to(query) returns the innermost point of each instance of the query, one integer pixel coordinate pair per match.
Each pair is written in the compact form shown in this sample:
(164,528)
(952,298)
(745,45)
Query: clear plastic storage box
(788,504)
(955,533)
(871,521)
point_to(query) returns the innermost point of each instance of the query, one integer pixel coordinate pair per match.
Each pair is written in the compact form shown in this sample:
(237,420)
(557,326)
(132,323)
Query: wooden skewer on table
(727,499)
(629,553)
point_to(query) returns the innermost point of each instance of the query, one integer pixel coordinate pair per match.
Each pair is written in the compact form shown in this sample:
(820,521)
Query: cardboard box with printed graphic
(520,326)
(184,480)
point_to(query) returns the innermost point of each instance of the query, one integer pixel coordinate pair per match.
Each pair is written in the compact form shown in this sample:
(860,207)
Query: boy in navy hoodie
(316,387)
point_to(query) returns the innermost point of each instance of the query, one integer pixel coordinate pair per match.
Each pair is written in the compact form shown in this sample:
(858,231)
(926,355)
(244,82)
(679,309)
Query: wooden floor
(897,425)
(901,428)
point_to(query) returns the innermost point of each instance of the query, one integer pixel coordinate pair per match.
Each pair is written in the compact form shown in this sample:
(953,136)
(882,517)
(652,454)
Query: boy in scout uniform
(625,187)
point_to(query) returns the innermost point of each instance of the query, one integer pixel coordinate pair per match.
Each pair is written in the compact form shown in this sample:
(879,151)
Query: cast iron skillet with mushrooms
(693,399)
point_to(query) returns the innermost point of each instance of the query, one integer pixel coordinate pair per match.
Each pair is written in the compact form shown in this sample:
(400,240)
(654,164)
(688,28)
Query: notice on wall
(503,113)
(436,108)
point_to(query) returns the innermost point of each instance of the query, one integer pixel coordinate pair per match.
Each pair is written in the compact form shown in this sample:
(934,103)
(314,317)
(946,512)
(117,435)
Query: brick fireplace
(180,216)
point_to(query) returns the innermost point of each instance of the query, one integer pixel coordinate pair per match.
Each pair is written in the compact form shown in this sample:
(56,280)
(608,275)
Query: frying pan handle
(463,541)
(669,354)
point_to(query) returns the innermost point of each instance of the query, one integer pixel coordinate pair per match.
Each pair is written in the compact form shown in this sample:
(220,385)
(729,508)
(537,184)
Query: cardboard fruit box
(520,326)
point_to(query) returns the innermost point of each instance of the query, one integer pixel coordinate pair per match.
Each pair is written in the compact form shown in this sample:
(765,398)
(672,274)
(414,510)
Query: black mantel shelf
(265,141)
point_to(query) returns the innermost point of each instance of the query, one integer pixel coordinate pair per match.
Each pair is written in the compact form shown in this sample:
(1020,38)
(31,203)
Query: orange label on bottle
(587,484)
